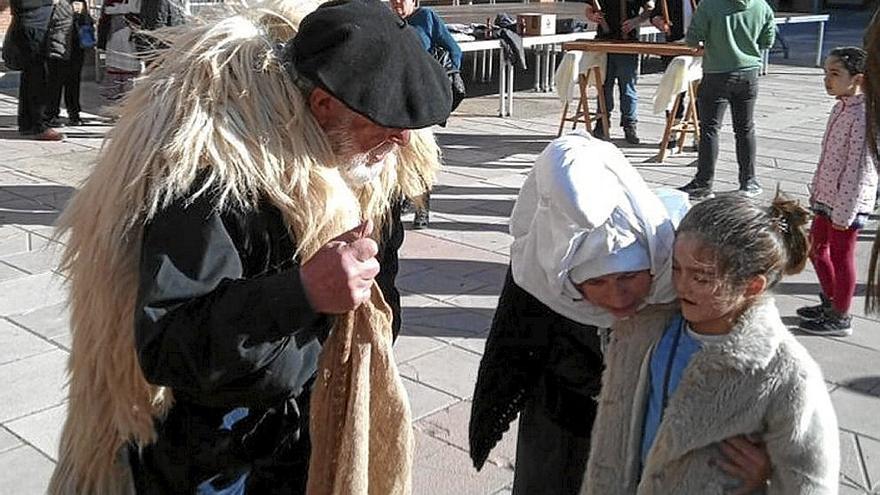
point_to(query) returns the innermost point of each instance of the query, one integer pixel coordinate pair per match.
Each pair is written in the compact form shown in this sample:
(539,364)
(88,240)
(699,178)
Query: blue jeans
(625,70)
(738,89)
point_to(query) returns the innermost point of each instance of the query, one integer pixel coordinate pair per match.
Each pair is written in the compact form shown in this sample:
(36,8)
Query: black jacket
(157,14)
(222,319)
(676,17)
(30,23)
(612,11)
(62,29)
(527,344)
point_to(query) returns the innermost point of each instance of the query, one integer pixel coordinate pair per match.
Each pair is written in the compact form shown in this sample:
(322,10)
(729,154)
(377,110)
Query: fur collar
(752,342)
(720,381)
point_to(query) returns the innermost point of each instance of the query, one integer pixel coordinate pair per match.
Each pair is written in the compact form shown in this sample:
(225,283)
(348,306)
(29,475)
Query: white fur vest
(759,381)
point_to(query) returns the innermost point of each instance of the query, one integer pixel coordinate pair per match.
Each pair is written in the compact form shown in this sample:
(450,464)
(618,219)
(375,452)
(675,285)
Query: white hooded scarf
(583,200)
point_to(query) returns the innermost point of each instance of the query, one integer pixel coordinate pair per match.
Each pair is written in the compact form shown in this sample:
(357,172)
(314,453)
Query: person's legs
(72,86)
(422,212)
(607,93)
(549,459)
(32,98)
(57,74)
(843,259)
(833,256)
(627,77)
(713,104)
(820,254)
(743,94)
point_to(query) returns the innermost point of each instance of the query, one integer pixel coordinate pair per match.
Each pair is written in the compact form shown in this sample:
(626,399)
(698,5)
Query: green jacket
(734,33)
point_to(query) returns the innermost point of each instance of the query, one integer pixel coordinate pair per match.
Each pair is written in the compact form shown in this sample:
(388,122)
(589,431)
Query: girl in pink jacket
(842,196)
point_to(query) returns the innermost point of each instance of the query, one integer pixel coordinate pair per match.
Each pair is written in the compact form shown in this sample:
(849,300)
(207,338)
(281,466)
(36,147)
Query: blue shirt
(432,32)
(671,356)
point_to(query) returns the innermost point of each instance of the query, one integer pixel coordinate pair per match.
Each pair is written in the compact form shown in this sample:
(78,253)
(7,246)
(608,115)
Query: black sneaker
(75,121)
(831,324)
(813,312)
(55,122)
(817,311)
(420,220)
(630,135)
(751,189)
(672,143)
(697,190)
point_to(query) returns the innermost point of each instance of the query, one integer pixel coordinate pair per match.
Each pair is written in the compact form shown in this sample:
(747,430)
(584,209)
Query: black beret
(369,58)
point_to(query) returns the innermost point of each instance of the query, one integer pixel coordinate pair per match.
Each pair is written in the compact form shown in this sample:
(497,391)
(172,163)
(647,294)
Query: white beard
(360,173)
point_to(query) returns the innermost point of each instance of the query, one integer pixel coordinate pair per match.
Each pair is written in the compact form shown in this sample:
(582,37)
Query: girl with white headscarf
(592,250)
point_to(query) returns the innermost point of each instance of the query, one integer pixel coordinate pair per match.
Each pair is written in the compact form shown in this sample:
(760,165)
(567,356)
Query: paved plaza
(450,276)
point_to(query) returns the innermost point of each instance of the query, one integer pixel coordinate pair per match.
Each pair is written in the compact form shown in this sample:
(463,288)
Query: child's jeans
(739,89)
(624,69)
(833,256)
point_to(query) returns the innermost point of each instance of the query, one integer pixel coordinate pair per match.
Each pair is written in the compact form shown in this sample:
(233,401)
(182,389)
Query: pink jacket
(845,180)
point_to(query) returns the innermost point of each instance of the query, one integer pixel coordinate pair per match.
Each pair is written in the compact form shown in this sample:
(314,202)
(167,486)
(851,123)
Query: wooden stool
(689,124)
(582,111)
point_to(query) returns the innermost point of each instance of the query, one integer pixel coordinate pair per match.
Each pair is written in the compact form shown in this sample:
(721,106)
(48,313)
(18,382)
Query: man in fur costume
(226,231)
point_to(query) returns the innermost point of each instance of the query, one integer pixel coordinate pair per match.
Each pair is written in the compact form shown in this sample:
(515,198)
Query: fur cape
(217,104)
(758,381)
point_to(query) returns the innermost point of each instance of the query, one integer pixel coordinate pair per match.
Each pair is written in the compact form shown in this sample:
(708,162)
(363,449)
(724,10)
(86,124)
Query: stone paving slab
(32,384)
(25,471)
(451,274)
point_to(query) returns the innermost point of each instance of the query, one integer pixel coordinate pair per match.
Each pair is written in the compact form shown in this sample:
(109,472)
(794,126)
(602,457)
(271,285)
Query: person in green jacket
(734,34)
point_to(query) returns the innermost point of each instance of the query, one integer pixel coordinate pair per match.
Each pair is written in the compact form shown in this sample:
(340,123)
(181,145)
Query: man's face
(361,146)
(404,8)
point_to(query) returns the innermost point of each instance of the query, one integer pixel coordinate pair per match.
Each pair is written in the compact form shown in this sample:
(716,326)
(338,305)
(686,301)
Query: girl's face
(838,80)
(704,303)
(622,294)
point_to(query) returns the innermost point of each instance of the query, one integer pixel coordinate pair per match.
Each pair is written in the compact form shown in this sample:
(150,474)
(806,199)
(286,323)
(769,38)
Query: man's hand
(660,24)
(339,277)
(631,24)
(594,15)
(747,461)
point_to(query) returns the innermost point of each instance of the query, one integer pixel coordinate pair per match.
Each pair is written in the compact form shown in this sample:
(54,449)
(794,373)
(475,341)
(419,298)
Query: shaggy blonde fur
(216,102)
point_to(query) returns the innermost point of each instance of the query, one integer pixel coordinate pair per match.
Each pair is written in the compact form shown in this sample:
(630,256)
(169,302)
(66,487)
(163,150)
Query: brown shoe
(49,135)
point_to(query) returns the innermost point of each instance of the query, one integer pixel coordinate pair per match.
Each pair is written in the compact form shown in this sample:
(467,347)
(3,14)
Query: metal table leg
(547,67)
(539,82)
(820,43)
(509,68)
(502,88)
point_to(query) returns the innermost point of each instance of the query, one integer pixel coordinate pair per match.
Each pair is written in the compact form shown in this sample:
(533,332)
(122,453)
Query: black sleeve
(207,331)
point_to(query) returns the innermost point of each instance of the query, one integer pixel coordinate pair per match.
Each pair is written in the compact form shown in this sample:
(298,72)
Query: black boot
(630,134)
(420,220)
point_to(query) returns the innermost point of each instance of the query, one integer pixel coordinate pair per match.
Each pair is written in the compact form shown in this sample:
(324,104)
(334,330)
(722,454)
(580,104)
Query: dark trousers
(739,90)
(33,97)
(550,459)
(64,76)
